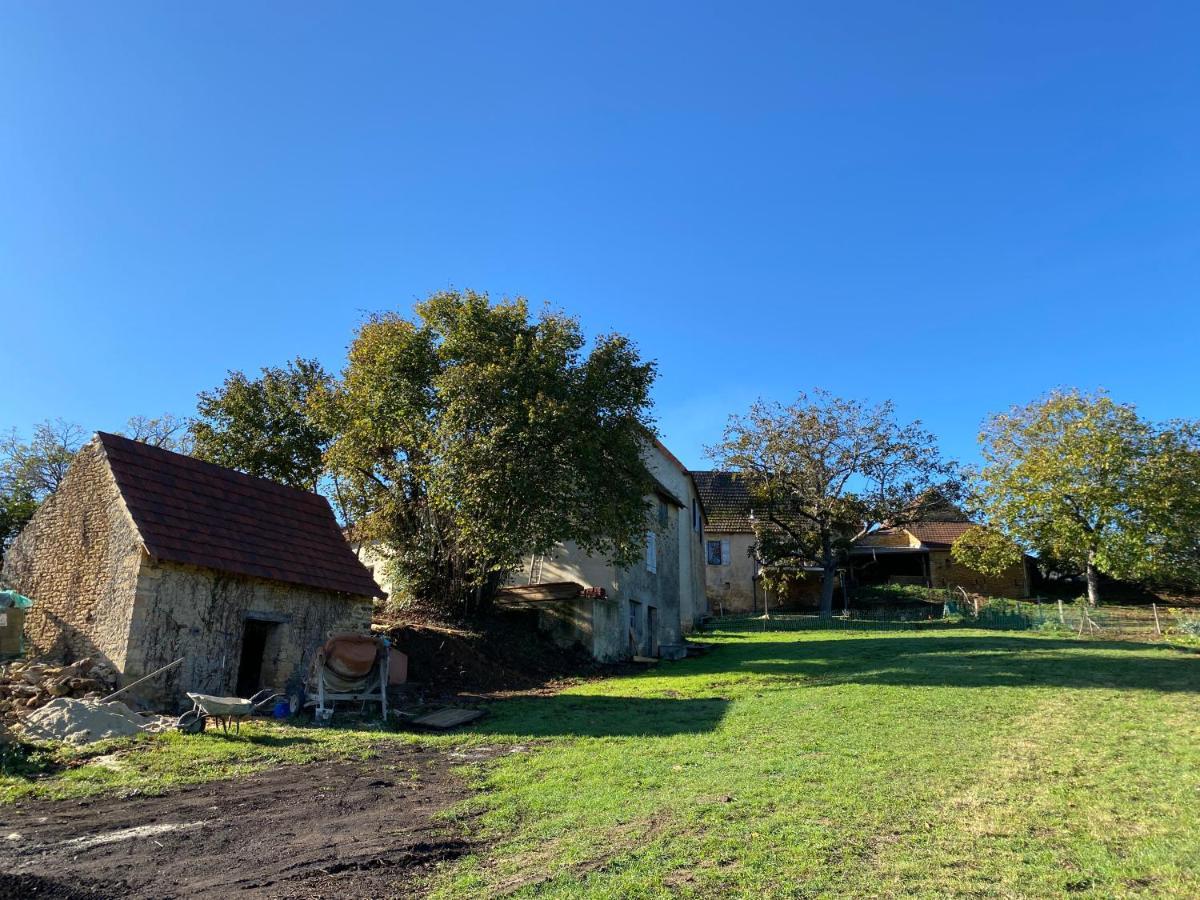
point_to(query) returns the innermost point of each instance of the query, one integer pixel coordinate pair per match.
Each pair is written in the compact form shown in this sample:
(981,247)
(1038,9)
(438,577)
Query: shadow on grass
(275,740)
(592,716)
(964,661)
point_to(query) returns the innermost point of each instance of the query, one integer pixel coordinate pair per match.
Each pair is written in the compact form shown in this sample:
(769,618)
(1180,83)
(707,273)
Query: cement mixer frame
(374,688)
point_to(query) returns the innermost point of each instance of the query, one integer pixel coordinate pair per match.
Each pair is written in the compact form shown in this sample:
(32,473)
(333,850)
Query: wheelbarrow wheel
(191,722)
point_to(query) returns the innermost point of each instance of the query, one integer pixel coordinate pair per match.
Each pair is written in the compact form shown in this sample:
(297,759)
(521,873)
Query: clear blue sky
(954,205)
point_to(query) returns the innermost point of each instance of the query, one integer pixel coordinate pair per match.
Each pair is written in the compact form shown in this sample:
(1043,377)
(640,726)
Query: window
(662,514)
(651,552)
(717,553)
(696,523)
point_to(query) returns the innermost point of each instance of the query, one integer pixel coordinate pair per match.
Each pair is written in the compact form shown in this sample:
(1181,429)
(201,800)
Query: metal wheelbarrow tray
(226,710)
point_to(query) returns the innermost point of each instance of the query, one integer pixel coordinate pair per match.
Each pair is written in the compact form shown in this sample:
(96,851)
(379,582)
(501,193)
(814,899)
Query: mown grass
(926,763)
(922,763)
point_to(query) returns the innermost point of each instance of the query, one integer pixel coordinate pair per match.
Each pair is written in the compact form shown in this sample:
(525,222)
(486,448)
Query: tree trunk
(1093,580)
(828,576)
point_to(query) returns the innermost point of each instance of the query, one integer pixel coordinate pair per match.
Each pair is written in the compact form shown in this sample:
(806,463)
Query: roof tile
(197,513)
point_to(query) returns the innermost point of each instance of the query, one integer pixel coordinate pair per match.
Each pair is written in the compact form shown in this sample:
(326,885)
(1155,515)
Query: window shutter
(651,552)
(724,553)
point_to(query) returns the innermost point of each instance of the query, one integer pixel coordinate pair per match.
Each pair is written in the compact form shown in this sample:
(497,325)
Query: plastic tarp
(13,600)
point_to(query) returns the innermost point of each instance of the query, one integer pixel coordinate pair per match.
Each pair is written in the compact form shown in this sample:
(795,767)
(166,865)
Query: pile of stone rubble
(29,684)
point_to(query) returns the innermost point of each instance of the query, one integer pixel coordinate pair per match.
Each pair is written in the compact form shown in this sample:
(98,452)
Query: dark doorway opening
(254,647)
(652,631)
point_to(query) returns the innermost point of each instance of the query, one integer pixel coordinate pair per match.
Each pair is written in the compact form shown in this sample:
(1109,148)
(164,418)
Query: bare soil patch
(496,655)
(342,828)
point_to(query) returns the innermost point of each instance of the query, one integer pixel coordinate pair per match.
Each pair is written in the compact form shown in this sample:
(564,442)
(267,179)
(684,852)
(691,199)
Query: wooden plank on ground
(448,717)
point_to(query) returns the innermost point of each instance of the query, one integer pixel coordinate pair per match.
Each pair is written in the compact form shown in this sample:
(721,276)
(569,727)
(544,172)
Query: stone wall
(78,559)
(730,586)
(945,572)
(201,615)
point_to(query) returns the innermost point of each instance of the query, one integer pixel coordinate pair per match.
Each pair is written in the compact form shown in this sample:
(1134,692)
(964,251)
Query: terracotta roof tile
(726,501)
(938,532)
(196,513)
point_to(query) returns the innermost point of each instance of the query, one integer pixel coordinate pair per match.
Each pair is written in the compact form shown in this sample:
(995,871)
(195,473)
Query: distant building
(918,554)
(143,556)
(645,609)
(732,577)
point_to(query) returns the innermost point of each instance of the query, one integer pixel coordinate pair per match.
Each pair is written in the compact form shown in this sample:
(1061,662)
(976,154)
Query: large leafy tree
(473,434)
(824,471)
(262,426)
(1086,481)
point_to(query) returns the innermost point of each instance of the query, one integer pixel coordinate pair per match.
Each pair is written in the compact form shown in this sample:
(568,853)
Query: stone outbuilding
(143,556)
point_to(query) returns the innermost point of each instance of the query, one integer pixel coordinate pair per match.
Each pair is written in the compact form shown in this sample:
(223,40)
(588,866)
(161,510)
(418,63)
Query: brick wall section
(200,614)
(78,559)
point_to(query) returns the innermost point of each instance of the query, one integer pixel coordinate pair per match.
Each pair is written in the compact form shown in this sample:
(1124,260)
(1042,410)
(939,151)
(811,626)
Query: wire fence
(1149,622)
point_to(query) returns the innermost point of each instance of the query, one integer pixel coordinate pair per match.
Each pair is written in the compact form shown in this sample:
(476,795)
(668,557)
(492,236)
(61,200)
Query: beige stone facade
(649,606)
(79,558)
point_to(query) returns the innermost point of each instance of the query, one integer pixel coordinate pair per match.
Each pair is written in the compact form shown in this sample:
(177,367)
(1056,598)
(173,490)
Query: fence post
(1157,627)
(1062,620)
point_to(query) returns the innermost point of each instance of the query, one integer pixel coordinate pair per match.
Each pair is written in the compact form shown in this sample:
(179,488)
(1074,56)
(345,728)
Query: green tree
(262,426)
(986,550)
(166,431)
(32,470)
(825,471)
(472,435)
(1086,481)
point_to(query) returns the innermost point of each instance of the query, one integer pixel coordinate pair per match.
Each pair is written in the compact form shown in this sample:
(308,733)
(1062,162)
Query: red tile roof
(938,532)
(929,533)
(197,513)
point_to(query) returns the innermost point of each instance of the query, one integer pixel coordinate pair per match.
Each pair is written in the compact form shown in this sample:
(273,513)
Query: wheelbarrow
(228,711)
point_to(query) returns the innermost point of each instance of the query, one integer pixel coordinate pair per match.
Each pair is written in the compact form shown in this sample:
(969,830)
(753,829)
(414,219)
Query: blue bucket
(282,709)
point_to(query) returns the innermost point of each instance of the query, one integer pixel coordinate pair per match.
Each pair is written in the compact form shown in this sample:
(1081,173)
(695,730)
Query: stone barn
(143,556)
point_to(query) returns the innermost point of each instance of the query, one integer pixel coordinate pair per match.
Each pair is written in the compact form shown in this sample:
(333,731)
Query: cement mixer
(351,667)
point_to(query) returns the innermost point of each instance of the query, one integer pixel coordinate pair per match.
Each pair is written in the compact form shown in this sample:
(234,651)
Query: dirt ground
(337,828)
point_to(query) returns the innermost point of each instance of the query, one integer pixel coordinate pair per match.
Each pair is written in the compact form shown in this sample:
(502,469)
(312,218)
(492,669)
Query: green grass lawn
(916,763)
(920,763)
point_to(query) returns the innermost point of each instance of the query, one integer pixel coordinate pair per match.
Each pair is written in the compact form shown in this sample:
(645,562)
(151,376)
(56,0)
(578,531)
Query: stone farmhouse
(732,577)
(617,613)
(143,556)
(641,610)
(917,554)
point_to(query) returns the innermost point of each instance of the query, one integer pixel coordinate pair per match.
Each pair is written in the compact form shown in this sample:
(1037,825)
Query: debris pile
(27,685)
(86,721)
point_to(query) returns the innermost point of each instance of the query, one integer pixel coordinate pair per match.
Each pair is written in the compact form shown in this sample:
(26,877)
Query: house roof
(726,501)
(929,534)
(938,532)
(200,514)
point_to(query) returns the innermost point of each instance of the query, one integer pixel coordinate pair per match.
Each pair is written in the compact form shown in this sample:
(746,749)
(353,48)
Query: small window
(651,552)
(713,551)
(662,514)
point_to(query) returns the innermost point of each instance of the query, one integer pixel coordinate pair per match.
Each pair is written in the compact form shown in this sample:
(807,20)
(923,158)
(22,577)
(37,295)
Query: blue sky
(954,205)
